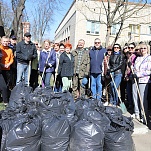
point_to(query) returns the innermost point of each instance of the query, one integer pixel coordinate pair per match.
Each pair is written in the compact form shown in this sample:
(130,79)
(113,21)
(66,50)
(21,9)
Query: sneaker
(5,104)
(106,104)
(133,116)
(137,117)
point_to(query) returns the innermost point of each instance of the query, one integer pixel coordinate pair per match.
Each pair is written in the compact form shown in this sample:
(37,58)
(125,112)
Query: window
(114,29)
(134,29)
(149,29)
(93,27)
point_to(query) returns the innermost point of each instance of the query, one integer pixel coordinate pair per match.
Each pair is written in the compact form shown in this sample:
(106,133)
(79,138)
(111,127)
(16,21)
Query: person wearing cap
(25,53)
(13,68)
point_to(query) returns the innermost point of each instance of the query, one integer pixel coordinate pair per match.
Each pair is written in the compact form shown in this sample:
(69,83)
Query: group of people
(79,69)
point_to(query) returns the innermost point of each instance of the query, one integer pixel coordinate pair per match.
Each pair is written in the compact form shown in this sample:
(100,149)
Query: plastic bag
(86,136)
(19,95)
(55,134)
(118,139)
(24,135)
(100,119)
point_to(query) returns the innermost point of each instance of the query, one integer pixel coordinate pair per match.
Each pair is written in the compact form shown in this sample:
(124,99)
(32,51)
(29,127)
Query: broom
(140,98)
(122,105)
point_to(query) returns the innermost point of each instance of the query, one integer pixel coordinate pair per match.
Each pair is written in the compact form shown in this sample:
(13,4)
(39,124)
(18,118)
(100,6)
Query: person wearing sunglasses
(97,54)
(142,70)
(131,57)
(114,67)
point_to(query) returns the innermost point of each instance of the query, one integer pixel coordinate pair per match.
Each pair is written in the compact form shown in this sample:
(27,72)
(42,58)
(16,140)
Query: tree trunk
(2,33)
(17,22)
(108,33)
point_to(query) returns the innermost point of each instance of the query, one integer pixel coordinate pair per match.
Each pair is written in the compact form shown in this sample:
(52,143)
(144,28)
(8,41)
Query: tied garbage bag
(100,119)
(113,111)
(118,139)
(85,104)
(86,136)
(19,93)
(24,135)
(55,134)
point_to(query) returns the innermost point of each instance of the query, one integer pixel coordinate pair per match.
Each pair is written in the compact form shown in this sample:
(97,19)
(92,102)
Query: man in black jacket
(25,52)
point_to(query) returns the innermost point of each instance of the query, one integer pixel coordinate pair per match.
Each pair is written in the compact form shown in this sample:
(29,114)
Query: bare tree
(18,6)
(115,12)
(11,17)
(42,17)
(1,21)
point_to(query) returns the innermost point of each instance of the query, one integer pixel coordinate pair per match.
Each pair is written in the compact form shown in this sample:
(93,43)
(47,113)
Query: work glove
(103,78)
(134,76)
(30,57)
(108,72)
(47,65)
(129,64)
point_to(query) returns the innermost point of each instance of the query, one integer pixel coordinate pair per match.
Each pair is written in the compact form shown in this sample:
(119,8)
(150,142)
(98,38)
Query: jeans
(117,79)
(22,72)
(96,85)
(47,77)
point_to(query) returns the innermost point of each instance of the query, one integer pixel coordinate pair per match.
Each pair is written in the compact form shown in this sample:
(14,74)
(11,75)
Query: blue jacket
(96,59)
(51,60)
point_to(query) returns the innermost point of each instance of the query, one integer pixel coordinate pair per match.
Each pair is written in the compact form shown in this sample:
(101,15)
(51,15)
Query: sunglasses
(116,47)
(36,44)
(136,49)
(143,48)
(39,47)
(97,42)
(130,47)
(125,48)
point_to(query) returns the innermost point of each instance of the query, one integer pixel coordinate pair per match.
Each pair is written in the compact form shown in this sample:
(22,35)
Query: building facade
(86,19)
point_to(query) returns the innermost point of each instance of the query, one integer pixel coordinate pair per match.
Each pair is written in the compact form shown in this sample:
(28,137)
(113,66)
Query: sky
(58,16)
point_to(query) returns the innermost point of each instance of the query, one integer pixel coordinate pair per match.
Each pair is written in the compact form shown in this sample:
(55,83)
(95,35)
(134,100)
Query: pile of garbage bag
(42,120)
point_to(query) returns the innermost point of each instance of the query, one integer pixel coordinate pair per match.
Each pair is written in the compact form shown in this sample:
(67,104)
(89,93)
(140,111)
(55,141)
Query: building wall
(81,11)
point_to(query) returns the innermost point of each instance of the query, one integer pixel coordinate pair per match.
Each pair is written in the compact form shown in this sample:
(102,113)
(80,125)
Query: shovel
(140,98)
(122,105)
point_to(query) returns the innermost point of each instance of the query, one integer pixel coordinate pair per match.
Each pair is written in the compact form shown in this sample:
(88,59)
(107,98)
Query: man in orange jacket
(7,59)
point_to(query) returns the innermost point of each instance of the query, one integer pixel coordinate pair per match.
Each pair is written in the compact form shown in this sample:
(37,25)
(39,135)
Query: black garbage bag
(92,104)
(9,119)
(86,136)
(24,135)
(59,103)
(100,119)
(118,139)
(113,111)
(19,94)
(55,134)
